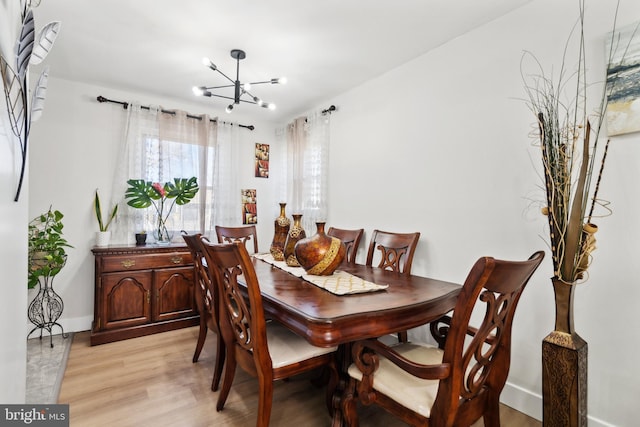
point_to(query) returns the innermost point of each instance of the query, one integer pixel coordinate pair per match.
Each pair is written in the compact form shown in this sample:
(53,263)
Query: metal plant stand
(46,308)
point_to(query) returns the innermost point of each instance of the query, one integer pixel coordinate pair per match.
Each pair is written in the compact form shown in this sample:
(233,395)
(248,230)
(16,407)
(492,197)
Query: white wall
(440,145)
(73,152)
(13,229)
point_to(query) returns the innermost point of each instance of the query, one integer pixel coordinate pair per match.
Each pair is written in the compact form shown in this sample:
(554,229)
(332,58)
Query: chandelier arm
(217,87)
(209,95)
(226,77)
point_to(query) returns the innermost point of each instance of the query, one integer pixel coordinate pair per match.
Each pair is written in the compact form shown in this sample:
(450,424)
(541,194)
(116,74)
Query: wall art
(249,207)
(262,160)
(623,81)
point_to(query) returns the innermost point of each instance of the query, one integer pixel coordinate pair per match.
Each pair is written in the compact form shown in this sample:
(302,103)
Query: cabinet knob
(128,263)
(176,259)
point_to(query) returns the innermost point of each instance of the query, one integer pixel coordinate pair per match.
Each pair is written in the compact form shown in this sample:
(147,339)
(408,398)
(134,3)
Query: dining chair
(242,234)
(266,350)
(459,381)
(351,239)
(207,307)
(396,254)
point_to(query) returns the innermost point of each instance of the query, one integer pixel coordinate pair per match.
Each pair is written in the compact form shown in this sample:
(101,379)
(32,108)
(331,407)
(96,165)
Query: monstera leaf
(182,189)
(46,38)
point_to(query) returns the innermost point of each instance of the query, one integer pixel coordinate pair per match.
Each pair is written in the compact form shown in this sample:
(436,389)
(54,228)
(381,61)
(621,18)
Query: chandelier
(241,90)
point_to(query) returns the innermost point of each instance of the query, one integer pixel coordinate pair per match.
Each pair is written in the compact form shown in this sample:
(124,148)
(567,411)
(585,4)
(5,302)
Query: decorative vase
(296,233)
(320,254)
(282,225)
(103,238)
(564,366)
(161,233)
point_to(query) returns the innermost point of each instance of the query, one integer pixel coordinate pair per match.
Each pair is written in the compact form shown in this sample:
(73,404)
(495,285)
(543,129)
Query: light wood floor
(151,381)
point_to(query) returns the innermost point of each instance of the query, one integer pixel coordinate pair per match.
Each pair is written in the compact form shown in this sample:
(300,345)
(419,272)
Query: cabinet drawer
(143,262)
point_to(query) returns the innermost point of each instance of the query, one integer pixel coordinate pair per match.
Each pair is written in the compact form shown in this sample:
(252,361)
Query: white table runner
(339,283)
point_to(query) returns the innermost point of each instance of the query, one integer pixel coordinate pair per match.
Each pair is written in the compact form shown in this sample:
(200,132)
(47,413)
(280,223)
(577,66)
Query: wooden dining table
(327,320)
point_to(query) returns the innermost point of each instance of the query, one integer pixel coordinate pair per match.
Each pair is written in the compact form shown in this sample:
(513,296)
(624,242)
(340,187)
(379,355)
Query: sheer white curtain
(159,147)
(227,206)
(307,168)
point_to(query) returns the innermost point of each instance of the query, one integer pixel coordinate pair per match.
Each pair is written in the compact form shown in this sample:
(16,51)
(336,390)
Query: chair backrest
(238,234)
(396,250)
(351,239)
(480,365)
(242,321)
(205,304)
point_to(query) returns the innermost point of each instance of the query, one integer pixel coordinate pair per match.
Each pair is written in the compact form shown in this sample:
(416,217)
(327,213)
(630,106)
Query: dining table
(327,319)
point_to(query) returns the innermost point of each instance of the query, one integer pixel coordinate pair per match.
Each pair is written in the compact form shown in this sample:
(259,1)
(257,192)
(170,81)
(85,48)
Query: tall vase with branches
(573,160)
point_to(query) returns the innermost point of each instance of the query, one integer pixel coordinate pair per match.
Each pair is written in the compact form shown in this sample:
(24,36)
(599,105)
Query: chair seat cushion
(287,347)
(414,393)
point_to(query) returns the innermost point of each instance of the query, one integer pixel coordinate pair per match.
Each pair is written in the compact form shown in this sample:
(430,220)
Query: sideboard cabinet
(142,290)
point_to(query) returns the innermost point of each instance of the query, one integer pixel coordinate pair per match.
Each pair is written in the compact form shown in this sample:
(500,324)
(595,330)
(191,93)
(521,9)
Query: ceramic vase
(282,225)
(320,254)
(103,238)
(296,233)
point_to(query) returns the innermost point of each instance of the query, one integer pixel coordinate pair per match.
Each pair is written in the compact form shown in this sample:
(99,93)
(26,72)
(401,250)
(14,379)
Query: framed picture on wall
(262,160)
(249,207)
(623,81)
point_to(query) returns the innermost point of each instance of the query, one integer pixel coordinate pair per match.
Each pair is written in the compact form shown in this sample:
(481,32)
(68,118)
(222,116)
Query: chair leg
(219,364)
(227,380)
(491,416)
(265,401)
(402,336)
(202,335)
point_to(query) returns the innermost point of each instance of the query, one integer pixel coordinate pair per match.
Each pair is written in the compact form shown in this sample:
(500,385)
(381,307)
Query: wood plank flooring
(151,381)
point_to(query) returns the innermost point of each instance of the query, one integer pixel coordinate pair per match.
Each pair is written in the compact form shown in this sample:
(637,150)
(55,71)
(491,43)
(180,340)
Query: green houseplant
(47,246)
(142,194)
(103,237)
(104,226)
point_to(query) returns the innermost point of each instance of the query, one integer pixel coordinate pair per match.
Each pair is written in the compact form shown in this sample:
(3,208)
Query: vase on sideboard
(296,233)
(320,254)
(281,225)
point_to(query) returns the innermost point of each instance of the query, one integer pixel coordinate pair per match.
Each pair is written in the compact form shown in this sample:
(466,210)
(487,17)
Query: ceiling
(323,47)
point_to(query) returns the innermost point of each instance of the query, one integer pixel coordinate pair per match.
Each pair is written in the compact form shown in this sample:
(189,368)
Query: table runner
(339,283)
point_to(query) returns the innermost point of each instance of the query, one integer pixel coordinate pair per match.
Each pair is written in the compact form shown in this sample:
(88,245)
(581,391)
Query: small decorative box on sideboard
(142,290)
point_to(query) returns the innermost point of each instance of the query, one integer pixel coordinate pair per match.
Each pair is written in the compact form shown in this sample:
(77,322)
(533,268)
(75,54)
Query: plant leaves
(46,38)
(39,95)
(14,96)
(182,189)
(140,193)
(25,45)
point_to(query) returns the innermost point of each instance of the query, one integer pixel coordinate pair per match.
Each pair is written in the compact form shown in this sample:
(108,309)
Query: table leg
(343,362)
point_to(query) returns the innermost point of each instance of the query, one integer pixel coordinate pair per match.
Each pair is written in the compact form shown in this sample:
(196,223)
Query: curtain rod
(125,105)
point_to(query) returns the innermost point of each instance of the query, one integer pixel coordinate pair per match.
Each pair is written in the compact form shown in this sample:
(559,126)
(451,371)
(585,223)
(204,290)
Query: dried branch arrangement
(571,157)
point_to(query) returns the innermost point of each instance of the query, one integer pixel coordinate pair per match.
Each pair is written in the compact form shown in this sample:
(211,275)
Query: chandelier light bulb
(271,106)
(246,86)
(197,91)
(229,108)
(282,80)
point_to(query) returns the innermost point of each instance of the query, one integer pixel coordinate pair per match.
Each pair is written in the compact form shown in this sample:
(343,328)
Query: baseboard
(530,403)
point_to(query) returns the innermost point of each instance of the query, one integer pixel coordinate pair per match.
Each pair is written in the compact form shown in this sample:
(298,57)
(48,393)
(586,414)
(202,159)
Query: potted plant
(104,235)
(141,194)
(47,255)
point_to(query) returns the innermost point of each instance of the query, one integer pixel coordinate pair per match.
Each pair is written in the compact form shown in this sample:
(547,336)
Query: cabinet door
(125,299)
(173,293)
